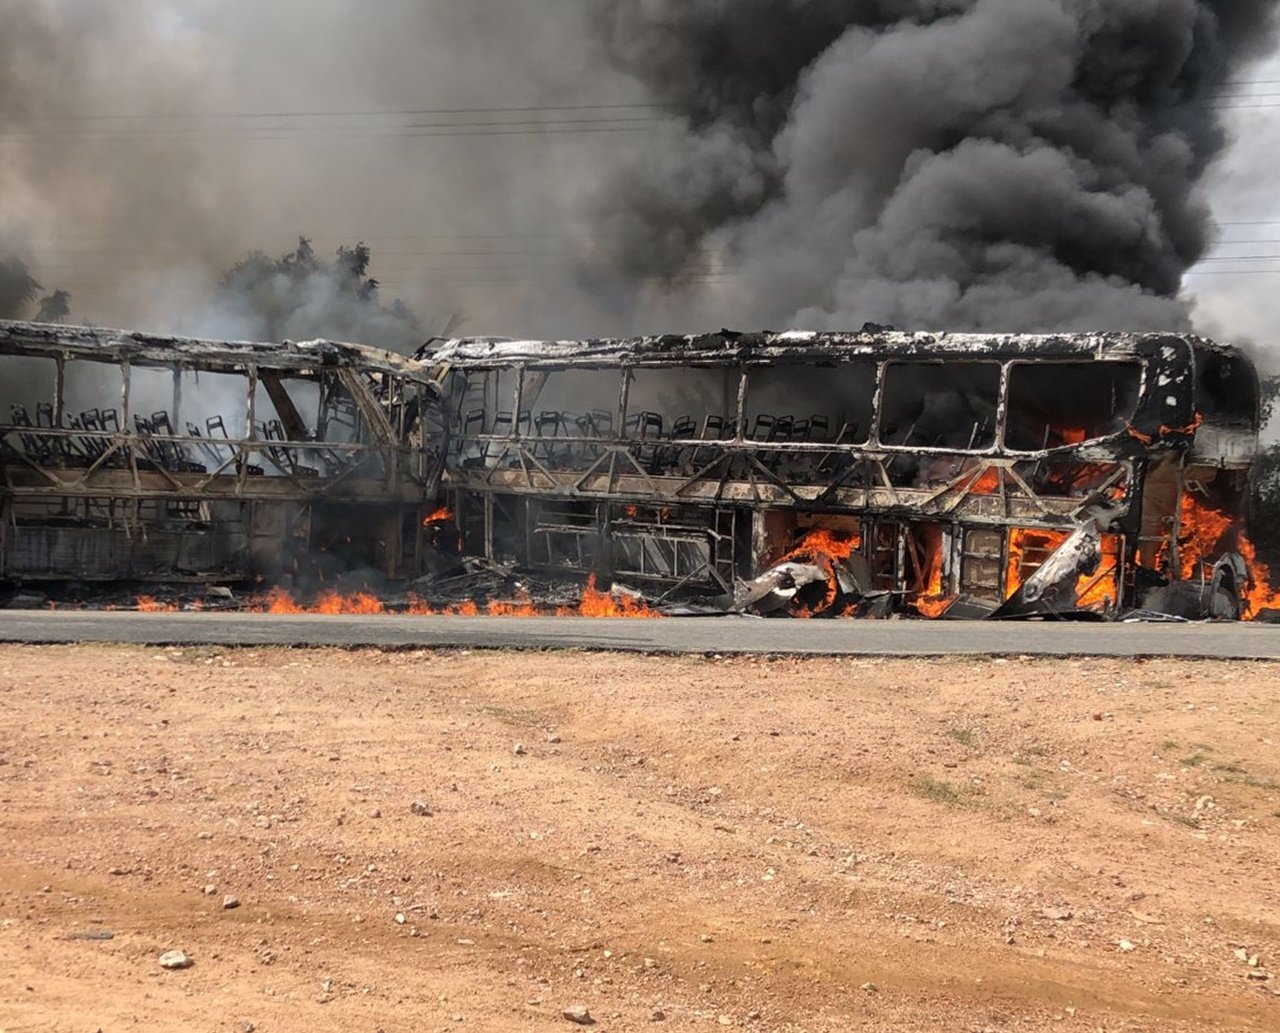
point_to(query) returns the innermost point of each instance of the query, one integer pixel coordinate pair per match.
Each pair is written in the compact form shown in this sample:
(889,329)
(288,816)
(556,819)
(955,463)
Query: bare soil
(786,845)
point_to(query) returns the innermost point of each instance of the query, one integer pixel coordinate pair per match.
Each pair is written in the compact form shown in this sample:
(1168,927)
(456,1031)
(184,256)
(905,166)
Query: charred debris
(872,474)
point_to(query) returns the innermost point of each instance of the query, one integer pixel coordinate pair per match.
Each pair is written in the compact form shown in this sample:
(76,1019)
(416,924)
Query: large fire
(1204,534)
(1030,548)
(604,604)
(932,600)
(828,551)
(594,603)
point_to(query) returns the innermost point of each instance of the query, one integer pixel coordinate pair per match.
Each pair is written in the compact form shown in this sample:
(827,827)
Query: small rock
(420,809)
(870,988)
(1241,954)
(1125,946)
(579,1015)
(725,1020)
(400,918)
(205,835)
(247,1027)
(554,739)
(519,750)
(175,960)
(209,889)
(375,813)
(230,903)
(705,937)
(1258,974)
(658,1015)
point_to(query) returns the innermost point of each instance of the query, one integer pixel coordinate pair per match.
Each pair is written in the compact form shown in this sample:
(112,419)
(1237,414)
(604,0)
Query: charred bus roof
(728,347)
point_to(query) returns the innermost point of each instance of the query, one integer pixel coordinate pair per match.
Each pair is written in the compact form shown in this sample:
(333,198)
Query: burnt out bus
(865,473)
(128,457)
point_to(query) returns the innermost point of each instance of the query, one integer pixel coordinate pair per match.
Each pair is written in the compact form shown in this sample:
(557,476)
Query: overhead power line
(367,113)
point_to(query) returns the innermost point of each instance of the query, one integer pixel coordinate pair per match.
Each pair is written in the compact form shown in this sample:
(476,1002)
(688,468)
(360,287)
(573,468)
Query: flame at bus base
(932,600)
(1207,533)
(594,603)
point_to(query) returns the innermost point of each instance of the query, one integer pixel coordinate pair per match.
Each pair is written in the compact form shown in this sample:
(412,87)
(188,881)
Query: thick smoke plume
(985,164)
(578,167)
(146,146)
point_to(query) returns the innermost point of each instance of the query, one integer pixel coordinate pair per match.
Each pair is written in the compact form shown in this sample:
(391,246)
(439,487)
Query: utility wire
(376,113)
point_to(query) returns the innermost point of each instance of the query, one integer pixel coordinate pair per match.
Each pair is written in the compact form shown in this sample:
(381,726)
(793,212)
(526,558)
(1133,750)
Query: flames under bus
(868,473)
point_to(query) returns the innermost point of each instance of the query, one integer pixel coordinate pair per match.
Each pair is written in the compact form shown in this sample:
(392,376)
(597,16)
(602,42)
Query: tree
(1264,501)
(18,288)
(299,296)
(54,308)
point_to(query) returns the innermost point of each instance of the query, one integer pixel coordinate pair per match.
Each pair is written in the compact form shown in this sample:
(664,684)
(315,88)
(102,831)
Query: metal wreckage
(866,474)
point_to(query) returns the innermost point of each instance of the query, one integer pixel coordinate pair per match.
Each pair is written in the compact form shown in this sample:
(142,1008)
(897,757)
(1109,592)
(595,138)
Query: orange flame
(522,607)
(1259,594)
(596,603)
(440,516)
(1204,534)
(1092,590)
(987,484)
(827,550)
(281,602)
(931,601)
(147,604)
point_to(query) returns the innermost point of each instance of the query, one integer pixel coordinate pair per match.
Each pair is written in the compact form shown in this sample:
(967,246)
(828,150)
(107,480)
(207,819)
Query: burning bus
(828,474)
(794,474)
(132,458)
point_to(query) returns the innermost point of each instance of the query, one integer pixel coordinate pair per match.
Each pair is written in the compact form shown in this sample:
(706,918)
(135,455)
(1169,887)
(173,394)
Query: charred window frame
(1226,389)
(836,399)
(571,412)
(939,405)
(1065,404)
(682,403)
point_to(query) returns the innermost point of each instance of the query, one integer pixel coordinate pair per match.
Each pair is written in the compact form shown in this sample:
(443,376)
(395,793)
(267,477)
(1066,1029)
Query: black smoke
(963,164)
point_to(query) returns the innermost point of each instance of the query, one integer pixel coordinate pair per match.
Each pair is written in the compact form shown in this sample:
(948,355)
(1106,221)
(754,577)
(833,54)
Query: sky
(1237,288)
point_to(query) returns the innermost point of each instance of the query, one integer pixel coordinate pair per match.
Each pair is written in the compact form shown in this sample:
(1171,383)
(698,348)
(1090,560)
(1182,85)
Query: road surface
(675,635)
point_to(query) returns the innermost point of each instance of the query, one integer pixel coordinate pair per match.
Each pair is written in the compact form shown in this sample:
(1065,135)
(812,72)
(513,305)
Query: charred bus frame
(128,457)
(977,474)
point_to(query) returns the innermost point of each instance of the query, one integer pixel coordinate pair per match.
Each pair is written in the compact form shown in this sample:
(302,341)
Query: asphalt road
(677,635)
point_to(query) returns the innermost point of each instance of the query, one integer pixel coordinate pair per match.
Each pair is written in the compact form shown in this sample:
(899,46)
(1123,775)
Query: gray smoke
(984,164)
(958,163)
(146,146)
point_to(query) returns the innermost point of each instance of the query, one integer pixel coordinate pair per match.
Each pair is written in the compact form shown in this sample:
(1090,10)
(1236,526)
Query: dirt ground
(672,843)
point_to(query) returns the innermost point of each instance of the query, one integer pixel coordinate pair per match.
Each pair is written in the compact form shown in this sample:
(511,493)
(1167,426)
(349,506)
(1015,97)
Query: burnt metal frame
(734,474)
(529,472)
(388,462)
